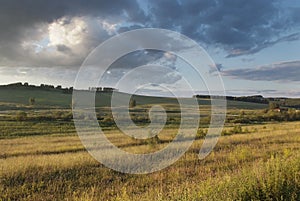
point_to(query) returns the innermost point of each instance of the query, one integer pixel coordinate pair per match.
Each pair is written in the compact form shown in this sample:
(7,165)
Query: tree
(132,103)
(273,105)
(31,101)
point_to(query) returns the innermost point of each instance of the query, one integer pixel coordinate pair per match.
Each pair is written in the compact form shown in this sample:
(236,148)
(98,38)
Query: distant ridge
(46,94)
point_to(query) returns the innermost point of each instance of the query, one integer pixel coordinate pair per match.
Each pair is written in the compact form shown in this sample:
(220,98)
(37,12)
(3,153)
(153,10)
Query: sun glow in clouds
(67,32)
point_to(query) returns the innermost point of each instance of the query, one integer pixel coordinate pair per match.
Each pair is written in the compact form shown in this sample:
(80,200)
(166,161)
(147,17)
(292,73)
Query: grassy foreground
(260,165)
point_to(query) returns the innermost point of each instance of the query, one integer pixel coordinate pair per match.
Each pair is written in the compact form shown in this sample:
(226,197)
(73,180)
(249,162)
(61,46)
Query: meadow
(263,164)
(42,158)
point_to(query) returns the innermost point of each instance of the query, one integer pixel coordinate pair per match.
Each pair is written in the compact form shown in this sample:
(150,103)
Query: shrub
(237,129)
(21,116)
(225,132)
(152,141)
(201,133)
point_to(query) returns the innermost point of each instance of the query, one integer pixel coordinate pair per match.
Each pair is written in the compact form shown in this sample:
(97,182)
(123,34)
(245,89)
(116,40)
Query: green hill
(53,97)
(42,97)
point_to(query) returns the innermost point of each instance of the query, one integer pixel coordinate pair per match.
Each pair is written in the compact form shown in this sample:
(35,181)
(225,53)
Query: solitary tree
(132,103)
(31,101)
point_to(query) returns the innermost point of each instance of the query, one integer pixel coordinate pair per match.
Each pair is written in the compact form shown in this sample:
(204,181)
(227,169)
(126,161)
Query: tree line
(41,86)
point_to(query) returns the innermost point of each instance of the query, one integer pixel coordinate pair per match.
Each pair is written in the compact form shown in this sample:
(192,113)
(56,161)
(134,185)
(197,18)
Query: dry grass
(58,168)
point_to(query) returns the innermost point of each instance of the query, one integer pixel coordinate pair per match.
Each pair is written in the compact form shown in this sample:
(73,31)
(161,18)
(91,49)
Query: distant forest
(280,101)
(52,87)
(252,99)
(42,86)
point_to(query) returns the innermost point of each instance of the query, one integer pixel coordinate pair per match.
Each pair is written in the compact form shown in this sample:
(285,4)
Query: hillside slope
(61,98)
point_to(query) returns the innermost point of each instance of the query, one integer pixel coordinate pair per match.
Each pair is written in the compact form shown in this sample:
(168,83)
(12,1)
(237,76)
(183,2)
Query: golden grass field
(263,164)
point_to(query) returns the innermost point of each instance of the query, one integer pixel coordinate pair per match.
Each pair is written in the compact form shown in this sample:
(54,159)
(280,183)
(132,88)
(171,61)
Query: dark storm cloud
(283,72)
(240,27)
(17,14)
(24,20)
(137,58)
(257,48)
(63,48)
(141,58)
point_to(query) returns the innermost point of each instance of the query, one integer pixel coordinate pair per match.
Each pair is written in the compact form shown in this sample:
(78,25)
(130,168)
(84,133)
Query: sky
(255,44)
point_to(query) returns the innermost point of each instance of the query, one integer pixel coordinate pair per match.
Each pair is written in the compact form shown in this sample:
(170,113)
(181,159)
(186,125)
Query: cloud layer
(240,27)
(283,72)
(58,33)
(62,33)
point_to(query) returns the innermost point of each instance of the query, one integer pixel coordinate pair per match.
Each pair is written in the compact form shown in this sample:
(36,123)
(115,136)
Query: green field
(56,98)
(42,97)
(42,158)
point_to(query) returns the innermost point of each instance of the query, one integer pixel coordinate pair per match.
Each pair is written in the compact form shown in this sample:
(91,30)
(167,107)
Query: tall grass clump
(276,179)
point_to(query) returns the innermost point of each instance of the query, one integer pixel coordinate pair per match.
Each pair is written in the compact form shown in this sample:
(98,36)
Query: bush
(237,129)
(225,132)
(21,116)
(152,141)
(201,133)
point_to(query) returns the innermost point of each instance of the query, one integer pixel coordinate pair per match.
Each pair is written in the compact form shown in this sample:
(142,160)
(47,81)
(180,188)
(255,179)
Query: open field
(42,158)
(134,100)
(42,97)
(261,164)
(46,98)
